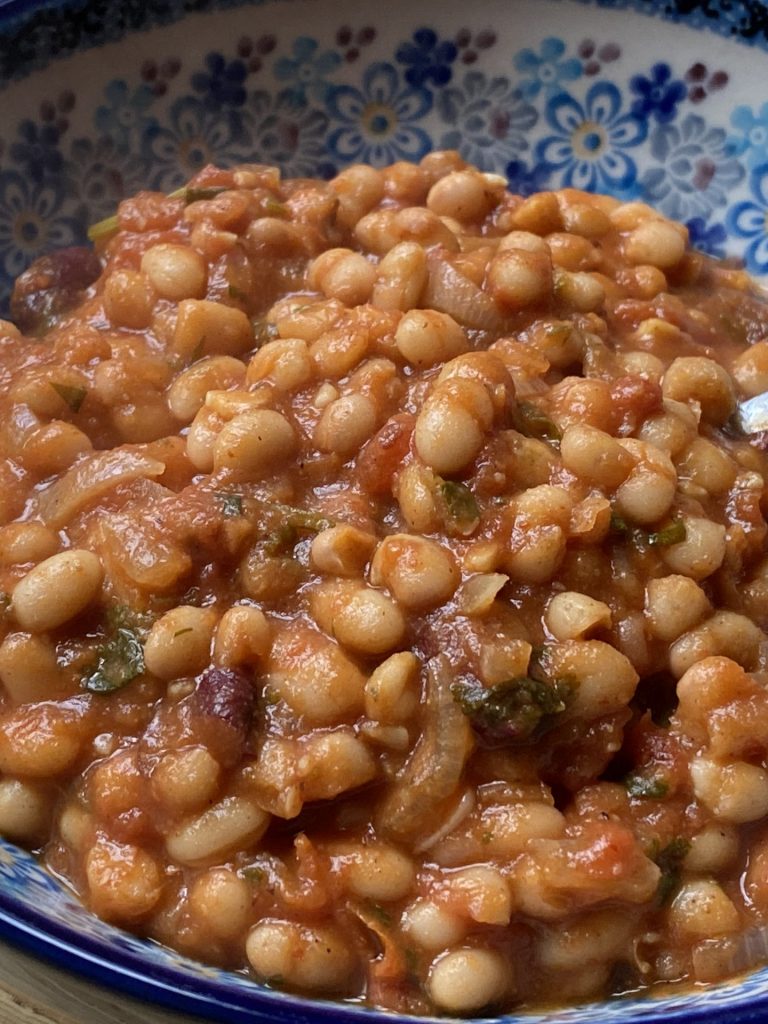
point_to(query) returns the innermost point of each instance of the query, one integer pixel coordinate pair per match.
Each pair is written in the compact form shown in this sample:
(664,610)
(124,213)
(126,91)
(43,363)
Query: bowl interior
(105,99)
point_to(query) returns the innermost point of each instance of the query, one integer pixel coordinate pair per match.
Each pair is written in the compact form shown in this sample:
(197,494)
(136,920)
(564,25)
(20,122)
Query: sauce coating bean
(383,586)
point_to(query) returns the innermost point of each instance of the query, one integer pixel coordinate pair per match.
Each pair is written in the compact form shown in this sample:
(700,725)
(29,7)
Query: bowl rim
(209,997)
(30,928)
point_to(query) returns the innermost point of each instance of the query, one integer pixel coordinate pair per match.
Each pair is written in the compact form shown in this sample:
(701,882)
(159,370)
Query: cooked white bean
(57,590)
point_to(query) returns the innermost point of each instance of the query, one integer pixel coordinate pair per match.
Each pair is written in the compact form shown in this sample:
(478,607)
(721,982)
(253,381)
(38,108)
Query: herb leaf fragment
(514,711)
(120,656)
(673,533)
(71,394)
(670,860)
(650,787)
(231,504)
(531,421)
(461,508)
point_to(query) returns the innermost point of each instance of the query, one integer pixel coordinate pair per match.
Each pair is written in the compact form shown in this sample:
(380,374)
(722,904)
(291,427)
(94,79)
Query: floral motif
(31,221)
(427,58)
(702,82)
(378,120)
(307,69)
(286,132)
(751,142)
(525,179)
(159,76)
(470,45)
(658,94)
(222,83)
(709,238)
(749,220)
(104,174)
(124,116)
(588,147)
(696,172)
(545,71)
(253,51)
(489,120)
(37,151)
(195,136)
(594,57)
(352,43)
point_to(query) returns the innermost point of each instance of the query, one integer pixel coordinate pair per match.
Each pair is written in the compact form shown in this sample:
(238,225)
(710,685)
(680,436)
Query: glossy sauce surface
(386,587)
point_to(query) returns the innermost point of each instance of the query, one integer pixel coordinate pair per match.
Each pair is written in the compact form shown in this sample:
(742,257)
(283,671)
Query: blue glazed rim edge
(149,982)
(17,18)
(207,998)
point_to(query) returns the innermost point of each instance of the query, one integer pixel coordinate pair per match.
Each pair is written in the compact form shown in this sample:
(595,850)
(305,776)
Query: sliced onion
(462,810)
(433,771)
(90,479)
(391,963)
(450,292)
(716,959)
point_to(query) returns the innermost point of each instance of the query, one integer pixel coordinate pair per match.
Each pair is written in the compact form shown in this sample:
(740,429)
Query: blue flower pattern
(36,151)
(196,135)
(124,116)
(546,71)
(544,125)
(31,221)
(378,121)
(284,131)
(307,70)
(658,94)
(695,172)
(222,82)
(588,147)
(427,59)
(489,120)
(709,238)
(751,139)
(749,220)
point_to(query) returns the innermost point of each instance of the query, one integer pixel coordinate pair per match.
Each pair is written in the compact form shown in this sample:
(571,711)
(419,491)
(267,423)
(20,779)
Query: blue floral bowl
(654,99)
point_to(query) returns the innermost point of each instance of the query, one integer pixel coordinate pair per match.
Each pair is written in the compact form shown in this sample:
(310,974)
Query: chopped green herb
(486,837)
(231,503)
(281,540)
(670,860)
(254,874)
(120,658)
(236,293)
(672,534)
(650,787)
(514,711)
(460,505)
(264,330)
(619,524)
(302,519)
(102,230)
(195,195)
(274,208)
(271,696)
(532,422)
(181,632)
(71,394)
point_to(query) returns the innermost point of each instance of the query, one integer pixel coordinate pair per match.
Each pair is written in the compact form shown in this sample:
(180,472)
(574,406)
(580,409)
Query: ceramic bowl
(652,99)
